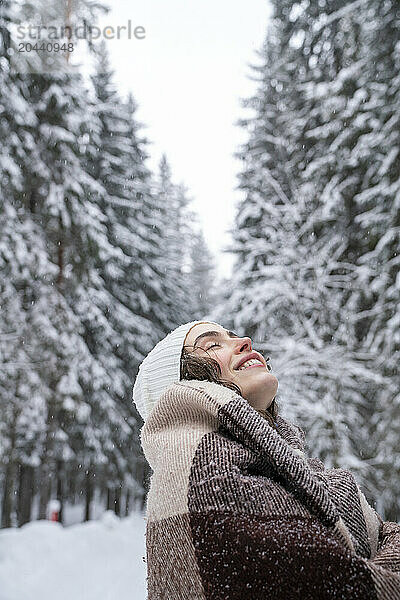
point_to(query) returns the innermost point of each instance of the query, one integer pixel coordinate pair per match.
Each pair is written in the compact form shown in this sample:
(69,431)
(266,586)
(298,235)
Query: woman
(235,509)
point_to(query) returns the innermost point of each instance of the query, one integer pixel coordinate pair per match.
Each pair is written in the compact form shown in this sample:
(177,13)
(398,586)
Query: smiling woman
(235,509)
(223,357)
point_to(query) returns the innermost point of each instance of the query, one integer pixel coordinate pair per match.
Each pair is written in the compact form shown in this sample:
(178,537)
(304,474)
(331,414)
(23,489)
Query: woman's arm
(388,554)
(384,538)
(283,558)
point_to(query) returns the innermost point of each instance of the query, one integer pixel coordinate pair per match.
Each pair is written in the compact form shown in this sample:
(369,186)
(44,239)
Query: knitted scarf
(235,510)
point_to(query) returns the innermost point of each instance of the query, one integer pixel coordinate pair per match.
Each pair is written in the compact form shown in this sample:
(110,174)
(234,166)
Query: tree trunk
(60,488)
(88,492)
(110,503)
(7,501)
(47,466)
(45,489)
(117,501)
(71,483)
(9,476)
(127,502)
(25,494)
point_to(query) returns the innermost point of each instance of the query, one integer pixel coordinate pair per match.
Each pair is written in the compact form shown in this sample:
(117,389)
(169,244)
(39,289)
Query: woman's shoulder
(291,433)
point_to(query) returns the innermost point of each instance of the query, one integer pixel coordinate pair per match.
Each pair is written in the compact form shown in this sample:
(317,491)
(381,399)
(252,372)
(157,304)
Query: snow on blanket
(97,560)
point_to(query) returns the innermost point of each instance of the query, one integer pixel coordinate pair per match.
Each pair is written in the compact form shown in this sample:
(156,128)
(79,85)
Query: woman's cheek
(222,361)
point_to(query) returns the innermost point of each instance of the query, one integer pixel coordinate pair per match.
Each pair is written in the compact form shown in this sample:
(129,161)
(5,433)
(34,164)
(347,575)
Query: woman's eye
(213,346)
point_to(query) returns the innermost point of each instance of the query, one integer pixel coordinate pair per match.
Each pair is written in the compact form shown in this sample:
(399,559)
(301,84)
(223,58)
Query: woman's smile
(252,359)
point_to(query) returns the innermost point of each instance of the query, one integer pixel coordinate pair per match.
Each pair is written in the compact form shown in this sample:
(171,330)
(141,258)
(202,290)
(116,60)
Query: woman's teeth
(248,363)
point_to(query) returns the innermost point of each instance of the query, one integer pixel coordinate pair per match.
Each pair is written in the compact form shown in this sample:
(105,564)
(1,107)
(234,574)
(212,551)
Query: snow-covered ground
(97,560)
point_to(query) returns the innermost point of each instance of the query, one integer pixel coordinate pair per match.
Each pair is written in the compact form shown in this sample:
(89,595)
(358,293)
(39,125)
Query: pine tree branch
(338,14)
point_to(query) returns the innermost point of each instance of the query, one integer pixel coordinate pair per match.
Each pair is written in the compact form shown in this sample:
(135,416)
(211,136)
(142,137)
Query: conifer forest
(100,257)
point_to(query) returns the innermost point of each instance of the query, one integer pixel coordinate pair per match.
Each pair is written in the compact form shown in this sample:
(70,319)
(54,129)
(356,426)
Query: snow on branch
(325,20)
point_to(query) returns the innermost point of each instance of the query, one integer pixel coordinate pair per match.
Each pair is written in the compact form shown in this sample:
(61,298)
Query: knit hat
(160,369)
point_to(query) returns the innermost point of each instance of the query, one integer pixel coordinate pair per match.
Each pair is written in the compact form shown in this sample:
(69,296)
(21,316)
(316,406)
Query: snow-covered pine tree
(75,235)
(350,115)
(88,279)
(289,280)
(328,37)
(176,221)
(57,196)
(25,275)
(202,276)
(24,270)
(136,309)
(378,324)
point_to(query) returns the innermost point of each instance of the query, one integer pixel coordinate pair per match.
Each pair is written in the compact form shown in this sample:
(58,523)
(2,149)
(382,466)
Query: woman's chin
(270,384)
(260,377)
(260,390)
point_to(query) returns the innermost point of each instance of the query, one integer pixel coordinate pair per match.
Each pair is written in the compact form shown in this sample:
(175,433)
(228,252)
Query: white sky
(188,76)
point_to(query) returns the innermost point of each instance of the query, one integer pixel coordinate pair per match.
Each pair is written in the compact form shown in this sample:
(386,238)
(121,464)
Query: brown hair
(208,369)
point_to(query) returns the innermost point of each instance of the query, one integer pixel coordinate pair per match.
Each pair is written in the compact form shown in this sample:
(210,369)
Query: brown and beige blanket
(236,510)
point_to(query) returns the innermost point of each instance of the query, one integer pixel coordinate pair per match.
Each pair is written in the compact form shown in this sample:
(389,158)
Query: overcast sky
(187,76)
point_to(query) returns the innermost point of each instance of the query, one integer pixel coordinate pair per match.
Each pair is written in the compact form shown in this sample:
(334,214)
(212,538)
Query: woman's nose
(243,343)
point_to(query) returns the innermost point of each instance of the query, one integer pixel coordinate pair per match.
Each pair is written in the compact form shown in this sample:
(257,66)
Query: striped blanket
(236,510)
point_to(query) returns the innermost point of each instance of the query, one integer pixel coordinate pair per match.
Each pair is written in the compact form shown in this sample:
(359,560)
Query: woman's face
(233,354)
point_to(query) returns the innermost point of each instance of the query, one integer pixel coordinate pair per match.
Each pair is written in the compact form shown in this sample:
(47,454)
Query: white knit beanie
(160,369)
